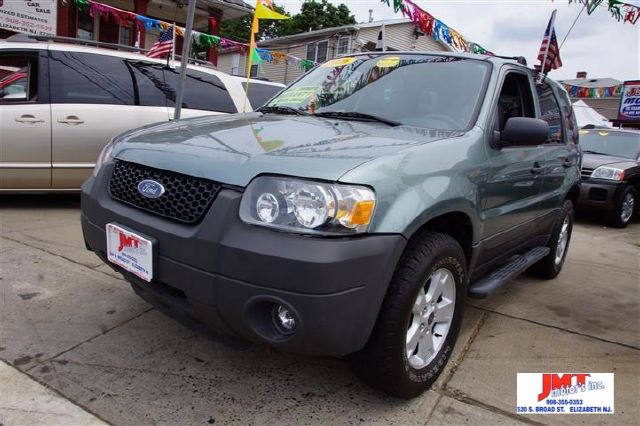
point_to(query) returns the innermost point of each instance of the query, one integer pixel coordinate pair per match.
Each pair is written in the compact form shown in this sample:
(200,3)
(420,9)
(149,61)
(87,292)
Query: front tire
(419,320)
(625,208)
(550,266)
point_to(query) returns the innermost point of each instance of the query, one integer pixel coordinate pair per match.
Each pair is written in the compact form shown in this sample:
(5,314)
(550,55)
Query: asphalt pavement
(80,348)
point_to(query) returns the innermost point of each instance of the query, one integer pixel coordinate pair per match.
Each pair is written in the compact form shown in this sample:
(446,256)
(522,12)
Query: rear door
(94,97)
(25,121)
(560,151)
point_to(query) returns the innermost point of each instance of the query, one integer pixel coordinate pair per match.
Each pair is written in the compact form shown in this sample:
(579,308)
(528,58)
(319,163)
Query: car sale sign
(565,393)
(630,101)
(30,17)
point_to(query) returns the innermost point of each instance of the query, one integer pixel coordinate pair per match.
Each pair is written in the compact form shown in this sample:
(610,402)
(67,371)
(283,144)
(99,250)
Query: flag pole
(184,61)
(546,50)
(252,42)
(173,48)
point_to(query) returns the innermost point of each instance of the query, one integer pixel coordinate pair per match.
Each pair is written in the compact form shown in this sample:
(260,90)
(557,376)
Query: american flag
(163,46)
(550,48)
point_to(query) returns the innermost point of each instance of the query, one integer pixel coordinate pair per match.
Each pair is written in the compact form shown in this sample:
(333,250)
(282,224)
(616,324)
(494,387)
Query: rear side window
(86,78)
(260,93)
(202,91)
(550,112)
(18,78)
(570,121)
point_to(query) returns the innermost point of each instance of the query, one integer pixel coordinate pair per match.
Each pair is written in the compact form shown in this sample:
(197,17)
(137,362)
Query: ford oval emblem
(150,188)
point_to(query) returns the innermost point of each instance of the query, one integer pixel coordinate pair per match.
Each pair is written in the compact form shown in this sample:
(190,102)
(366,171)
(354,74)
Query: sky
(597,44)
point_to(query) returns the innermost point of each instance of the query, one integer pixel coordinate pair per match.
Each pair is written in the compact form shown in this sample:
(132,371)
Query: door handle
(537,168)
(566,161)
(29,119)
(70,119)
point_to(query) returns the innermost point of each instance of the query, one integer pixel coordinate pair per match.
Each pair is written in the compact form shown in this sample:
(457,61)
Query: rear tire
(625,209)
(416,311)
(550,266)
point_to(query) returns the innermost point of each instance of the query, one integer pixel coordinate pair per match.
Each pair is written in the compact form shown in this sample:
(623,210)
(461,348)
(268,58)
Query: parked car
(60,104)
(353,214)
(610,174)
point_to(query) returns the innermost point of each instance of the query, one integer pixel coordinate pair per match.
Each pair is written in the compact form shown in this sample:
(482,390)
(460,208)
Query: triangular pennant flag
(263,12)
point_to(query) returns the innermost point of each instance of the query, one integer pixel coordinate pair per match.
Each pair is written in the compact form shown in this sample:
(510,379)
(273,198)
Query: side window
(550,112)
(202,91)
(260,93)
(18,78)
(515,99)
(150,83)
(570,121)
(87,78)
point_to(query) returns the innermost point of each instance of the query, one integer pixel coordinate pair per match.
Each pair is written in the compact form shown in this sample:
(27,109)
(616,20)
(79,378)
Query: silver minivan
(61,103)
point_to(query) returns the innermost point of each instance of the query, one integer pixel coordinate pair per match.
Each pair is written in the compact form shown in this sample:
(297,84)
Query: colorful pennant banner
(620,11)
(435,28)
(126,19)
(593,92)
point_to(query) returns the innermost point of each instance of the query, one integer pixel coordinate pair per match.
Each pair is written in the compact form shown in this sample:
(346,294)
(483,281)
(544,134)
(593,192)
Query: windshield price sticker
(295,96)
(388,62)
(565,393)
(339,62)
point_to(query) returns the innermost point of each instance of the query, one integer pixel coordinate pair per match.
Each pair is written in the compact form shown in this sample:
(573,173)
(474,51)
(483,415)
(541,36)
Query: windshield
(437,92)
(611,142)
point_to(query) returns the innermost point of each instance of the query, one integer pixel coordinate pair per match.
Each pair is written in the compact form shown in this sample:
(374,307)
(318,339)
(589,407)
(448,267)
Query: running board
(496,279)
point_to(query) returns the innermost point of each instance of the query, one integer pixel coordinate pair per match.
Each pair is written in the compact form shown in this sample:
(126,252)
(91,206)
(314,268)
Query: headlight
(604,172)
(105,156)
(306,206)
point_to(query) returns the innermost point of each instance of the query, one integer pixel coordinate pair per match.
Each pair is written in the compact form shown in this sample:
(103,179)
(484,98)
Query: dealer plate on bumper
(130,251)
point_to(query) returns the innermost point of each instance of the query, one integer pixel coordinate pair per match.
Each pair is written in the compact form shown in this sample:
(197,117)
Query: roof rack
(29,38)
(519,59)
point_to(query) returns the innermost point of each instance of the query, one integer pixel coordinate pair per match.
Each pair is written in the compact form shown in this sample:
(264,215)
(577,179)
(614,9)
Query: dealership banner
(630,101)
(31,17)
(565,393)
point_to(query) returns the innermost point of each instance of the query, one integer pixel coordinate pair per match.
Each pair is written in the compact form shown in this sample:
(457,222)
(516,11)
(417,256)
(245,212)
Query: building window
(235,64)
(254,71)
(343,46)
(318,51)
(85,26)
(311,52)
(125,36)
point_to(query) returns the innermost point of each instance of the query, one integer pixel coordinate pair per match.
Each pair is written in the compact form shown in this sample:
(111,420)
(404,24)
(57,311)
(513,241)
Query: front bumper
(226,275)
(598,194)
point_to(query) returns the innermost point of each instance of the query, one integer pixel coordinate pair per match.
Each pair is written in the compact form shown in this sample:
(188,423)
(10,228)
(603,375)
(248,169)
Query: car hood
(233,149)
(593,161)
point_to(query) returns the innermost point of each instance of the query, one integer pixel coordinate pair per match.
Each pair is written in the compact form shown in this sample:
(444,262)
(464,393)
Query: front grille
(586,172)
(186,198)
(598,194)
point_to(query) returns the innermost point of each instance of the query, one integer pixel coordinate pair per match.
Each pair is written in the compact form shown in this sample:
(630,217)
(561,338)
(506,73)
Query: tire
(384,363)
(550,266)
(625,208)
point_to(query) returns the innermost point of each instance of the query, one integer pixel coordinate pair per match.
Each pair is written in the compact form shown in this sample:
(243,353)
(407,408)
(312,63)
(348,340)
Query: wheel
(419,320)
(625,208)
(550,266)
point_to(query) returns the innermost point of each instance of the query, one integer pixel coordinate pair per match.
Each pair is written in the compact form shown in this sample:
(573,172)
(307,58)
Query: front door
(512,191)
(25,122)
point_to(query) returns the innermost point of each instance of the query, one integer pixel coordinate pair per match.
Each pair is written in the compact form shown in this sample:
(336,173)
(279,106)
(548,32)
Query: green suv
(352,214)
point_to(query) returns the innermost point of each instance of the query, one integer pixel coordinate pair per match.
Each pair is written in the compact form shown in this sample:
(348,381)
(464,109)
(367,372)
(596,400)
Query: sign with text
(630,101)
(30,17)
(565,393)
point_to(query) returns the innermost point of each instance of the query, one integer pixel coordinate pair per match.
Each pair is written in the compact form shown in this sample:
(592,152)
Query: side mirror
(524,131)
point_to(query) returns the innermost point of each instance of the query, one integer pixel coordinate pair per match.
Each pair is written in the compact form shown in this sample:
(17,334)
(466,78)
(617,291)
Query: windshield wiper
(357,115)
(588,151)
(282,110)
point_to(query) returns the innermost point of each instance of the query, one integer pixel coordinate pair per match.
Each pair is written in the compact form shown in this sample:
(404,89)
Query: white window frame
(347,47)
(315,48)
(235,64)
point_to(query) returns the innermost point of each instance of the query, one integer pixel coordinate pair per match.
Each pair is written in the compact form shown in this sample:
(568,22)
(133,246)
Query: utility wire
(572,25)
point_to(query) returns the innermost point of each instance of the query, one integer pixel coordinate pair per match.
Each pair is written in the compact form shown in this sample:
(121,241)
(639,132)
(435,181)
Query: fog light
(283,319)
